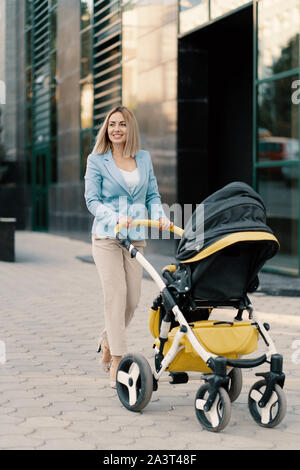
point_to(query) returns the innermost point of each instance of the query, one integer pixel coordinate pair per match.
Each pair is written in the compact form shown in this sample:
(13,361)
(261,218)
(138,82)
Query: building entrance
(215,106)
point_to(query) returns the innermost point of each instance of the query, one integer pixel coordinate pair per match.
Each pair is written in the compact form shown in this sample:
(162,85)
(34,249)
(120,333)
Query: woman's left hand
(164,223)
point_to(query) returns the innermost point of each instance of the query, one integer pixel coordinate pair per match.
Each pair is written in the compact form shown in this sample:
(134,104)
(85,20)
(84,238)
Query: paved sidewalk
(53,393)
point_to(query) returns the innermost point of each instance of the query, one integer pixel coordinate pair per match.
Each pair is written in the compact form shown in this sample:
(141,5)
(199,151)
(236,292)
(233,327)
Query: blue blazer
(108,196)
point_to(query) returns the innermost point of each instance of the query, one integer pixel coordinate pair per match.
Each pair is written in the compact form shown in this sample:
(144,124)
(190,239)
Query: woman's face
(116,129)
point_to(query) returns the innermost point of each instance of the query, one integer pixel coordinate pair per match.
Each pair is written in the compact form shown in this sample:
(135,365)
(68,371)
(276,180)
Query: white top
(131,178)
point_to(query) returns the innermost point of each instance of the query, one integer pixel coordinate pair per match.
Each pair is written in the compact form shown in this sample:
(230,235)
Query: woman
(119,186)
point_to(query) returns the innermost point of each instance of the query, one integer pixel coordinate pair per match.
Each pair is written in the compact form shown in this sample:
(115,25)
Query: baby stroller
(215,268)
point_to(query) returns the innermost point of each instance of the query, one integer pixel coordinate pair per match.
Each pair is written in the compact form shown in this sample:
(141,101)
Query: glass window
(277,116)
(29,123)
(53,116)
(278,151)
(86,54)
(28,165)
(87,100)
(86,12)
(278,187)
(53,161)
(53,69)
(192,13)
(278,36)
(28,13)
(53,29)
(29,86)
(86,149)
(220,7)
(28,47)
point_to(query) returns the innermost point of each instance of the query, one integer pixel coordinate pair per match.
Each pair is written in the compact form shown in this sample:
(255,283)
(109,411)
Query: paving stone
(46,421)
(17,441)
(67,444)
(54,433)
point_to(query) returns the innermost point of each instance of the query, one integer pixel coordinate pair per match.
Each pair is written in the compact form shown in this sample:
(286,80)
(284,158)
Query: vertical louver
(41,71)
(106,58)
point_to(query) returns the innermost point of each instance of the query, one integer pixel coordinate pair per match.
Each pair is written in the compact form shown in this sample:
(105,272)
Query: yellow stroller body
(213,271)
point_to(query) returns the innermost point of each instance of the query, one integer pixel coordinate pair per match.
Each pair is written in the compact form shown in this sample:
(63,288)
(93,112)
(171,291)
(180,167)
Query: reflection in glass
(278,36)
(53,69)
(280,194)
(28,12)
(86,148)
(28,47)
(86,12)
(220,7)
(53,116)
(28,165)
(277,115)
(192,13)
(278,149)
(29,123)
(129,54)
(86,98)
(86,53)
(29,86)
(53,161)
(53,20)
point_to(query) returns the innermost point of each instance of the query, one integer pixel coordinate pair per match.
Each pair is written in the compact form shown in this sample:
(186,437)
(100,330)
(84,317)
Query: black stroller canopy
(234,208)
(225,244)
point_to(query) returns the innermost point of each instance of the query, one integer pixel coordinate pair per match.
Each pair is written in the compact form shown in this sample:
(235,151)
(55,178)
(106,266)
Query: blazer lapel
(143,173)
(114,170)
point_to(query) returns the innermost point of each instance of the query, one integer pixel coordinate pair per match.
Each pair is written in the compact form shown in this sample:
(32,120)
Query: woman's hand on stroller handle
(165,223)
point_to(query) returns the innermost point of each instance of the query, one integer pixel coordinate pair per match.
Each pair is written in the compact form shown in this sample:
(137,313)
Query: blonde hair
(132,146)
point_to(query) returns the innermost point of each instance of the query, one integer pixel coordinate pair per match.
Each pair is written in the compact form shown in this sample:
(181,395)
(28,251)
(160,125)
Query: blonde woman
(119,186)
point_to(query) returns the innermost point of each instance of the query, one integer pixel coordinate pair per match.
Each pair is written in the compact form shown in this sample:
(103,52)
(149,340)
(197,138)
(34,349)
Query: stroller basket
(230,340)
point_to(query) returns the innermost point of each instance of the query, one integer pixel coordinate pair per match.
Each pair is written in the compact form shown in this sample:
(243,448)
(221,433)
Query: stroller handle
(151,223)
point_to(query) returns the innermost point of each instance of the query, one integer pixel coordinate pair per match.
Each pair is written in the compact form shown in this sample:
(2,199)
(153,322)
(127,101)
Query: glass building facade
(214,84)
(270,54)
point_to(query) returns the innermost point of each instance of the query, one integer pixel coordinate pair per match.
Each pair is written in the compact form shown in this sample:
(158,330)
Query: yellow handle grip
(151,223)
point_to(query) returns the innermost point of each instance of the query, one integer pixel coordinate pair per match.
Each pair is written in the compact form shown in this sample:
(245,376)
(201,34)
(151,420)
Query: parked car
(279,149)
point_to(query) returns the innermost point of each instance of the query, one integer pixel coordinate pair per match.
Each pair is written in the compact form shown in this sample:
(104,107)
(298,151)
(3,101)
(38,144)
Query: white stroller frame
(262,396)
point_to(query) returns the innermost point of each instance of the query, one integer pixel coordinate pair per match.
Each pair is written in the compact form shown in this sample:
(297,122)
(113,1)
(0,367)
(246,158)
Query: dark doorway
(215,106)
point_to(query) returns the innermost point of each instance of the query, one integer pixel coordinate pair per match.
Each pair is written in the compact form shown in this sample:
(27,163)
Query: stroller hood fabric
(234,208)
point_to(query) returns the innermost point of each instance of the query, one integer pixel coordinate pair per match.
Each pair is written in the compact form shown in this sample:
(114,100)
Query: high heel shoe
(105,356)
(113,370)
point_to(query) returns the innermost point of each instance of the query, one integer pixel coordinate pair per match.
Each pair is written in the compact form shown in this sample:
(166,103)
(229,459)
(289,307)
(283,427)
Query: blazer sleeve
(153,199)
(93,196)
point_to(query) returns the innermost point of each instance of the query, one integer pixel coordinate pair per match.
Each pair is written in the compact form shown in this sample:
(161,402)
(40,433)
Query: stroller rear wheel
(219,415)
(134,382)
(274,411)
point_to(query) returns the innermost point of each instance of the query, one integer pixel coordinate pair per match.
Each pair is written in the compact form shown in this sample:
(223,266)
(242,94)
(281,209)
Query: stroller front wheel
(274,411)
(134,382)
(217,418)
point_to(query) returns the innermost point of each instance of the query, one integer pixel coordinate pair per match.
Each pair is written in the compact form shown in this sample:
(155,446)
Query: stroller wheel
(134,382)
(218,416)
(235,383)
(274,411)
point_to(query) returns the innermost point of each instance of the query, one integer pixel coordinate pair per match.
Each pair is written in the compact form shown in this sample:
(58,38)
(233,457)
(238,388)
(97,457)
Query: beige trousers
(121,278)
